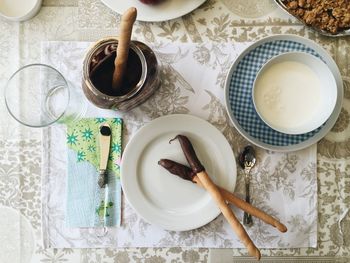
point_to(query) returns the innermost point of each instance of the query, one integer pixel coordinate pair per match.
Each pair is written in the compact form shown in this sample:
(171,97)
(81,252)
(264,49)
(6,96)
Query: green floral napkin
(84,205)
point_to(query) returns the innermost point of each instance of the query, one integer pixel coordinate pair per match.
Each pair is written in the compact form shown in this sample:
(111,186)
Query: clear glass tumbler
(38,95)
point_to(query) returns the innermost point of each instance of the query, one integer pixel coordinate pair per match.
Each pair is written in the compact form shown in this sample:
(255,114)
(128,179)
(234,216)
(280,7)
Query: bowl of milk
(294,93)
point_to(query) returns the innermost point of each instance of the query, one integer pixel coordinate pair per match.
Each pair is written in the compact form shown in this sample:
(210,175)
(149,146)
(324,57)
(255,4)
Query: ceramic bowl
(19,10)
(294,93)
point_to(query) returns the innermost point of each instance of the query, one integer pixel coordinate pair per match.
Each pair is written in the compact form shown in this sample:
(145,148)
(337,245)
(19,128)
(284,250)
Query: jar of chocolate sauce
(139,82)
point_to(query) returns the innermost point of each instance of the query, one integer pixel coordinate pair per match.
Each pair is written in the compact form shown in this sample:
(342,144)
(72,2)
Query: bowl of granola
(328,17)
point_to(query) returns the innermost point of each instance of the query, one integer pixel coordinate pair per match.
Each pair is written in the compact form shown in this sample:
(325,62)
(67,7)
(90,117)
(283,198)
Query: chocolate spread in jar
(102,68)
(141,79)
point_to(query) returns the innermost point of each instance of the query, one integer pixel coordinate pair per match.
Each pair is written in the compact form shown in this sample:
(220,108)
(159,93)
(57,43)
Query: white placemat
(284,185)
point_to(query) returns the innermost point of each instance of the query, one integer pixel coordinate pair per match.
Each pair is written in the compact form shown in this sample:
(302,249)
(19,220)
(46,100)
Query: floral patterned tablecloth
(217,20)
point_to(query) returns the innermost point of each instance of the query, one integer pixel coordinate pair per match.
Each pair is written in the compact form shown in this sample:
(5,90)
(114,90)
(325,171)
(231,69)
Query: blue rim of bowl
(319,133)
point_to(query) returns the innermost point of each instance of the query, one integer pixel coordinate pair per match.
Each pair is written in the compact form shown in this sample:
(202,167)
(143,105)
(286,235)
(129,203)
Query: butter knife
(104,204)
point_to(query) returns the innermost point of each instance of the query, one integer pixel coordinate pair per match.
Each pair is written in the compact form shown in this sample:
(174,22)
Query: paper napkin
(83,204)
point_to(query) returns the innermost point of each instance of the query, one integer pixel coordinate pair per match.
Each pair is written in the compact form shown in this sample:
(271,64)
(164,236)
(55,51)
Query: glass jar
(142,75)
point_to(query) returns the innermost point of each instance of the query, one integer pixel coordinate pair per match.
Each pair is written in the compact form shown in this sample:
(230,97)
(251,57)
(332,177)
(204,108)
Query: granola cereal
(329,15)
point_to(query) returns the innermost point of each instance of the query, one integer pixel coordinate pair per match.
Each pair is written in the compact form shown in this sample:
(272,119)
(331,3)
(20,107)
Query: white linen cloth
(283,185)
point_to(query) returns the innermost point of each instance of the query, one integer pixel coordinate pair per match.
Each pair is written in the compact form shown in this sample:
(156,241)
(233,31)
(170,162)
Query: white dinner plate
(162,198)
(168,9)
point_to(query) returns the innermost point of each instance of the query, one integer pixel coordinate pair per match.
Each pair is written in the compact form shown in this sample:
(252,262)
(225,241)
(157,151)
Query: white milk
(15,8)
(287,94)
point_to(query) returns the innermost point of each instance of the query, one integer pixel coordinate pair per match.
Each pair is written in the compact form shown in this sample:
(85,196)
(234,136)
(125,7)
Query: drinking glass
(38,95)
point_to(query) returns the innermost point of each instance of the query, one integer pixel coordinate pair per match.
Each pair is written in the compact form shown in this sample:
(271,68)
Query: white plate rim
(330,122)
(127,176)
(120,6)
